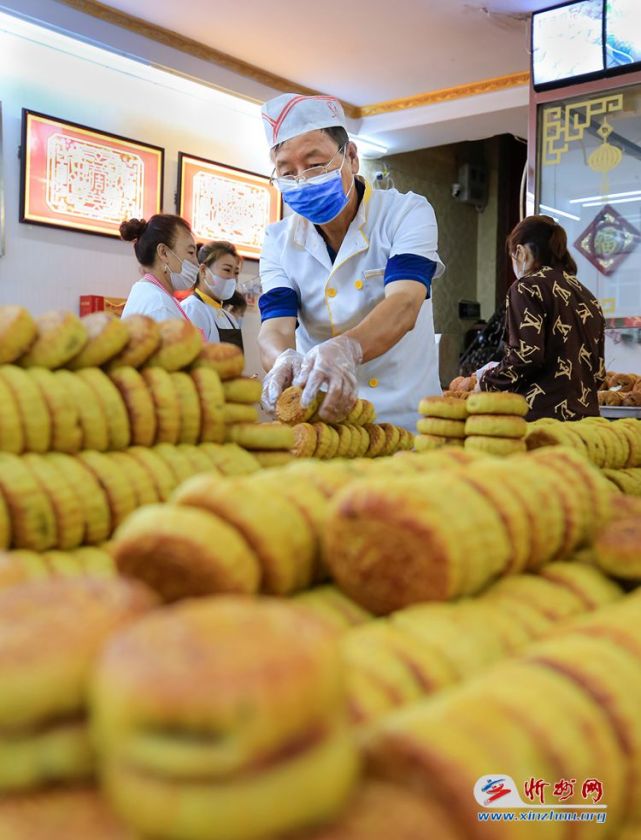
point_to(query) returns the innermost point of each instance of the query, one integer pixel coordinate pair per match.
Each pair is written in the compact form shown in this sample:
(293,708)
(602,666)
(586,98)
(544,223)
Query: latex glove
(284,370)
(479,373)
(332,364)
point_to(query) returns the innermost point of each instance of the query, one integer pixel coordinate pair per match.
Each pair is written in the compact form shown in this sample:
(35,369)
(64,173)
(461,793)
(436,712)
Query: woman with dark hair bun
(166,251)
(555,328)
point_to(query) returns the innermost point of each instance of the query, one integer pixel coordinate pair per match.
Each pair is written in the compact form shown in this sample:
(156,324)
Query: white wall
(45,268)
(622,356)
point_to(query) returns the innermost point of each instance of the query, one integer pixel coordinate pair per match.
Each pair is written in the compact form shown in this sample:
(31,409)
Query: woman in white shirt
(166,251)
(219,266)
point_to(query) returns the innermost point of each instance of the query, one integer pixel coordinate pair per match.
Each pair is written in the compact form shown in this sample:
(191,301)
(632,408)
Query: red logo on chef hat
(333,108)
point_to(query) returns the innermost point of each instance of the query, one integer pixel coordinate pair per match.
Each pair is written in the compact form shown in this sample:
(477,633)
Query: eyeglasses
(283,182)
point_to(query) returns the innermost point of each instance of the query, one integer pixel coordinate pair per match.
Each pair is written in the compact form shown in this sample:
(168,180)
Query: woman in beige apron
(219,265)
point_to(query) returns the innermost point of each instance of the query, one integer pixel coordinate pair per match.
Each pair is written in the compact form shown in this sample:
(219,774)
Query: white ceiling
(363,51)
(369,51)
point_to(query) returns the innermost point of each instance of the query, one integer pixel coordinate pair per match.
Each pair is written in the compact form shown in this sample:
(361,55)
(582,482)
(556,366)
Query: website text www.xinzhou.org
(544,816)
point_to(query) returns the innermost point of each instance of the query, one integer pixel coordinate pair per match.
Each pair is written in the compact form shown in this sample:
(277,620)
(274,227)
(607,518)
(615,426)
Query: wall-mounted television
(567,43)
(622,35)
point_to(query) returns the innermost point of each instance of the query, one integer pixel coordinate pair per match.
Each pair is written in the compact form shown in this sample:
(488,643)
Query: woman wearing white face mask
(216,283)
(166,251)
(555,330)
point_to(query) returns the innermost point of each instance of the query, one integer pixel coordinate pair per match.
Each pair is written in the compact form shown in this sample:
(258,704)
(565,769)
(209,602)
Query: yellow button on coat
(358,284)
(373,383)
(331,293)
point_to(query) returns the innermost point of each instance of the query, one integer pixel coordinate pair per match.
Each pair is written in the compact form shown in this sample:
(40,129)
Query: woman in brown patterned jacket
(554,330)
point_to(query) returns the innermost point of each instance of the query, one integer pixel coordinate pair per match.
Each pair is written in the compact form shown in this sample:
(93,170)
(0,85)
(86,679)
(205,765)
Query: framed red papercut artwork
(83,179)
(222,202)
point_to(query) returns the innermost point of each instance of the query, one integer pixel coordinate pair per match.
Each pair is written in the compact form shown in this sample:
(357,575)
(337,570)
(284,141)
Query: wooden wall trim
(447,94)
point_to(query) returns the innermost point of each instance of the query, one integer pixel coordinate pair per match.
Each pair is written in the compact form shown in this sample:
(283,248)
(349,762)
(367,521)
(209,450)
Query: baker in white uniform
(346,278)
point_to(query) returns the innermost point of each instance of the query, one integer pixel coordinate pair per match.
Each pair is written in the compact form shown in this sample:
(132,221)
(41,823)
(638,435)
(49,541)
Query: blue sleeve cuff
(278,303)
(410,267)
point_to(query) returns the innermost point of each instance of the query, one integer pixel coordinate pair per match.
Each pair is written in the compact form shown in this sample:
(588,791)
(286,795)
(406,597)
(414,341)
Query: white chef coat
(209,316)
(147,299)
(335,298)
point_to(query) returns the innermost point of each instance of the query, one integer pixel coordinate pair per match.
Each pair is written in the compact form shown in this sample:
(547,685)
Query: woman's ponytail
(546,239)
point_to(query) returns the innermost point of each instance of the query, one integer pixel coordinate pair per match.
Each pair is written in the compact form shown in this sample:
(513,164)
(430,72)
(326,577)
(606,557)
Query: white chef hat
(289,115)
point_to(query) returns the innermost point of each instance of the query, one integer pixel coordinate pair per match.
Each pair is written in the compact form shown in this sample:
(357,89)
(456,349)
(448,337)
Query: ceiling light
(369,148)
(603,198)
(557,212)
(611,201)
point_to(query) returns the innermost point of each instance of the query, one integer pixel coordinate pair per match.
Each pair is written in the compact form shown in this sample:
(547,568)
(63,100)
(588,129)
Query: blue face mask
(318,199)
